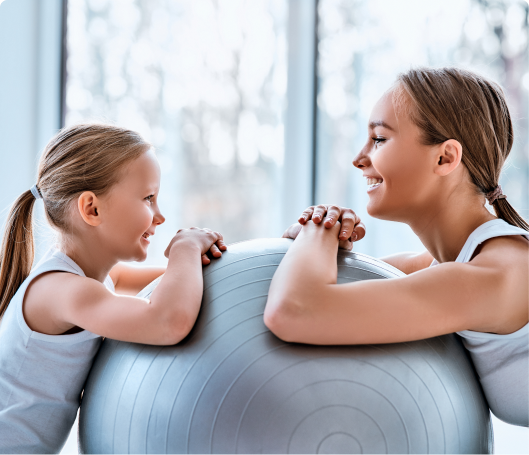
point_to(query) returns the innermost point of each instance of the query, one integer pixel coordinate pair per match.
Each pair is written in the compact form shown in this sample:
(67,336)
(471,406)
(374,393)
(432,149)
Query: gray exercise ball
(232,387)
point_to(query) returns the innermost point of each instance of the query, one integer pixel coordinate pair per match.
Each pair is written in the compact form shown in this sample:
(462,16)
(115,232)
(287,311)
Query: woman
(437,142)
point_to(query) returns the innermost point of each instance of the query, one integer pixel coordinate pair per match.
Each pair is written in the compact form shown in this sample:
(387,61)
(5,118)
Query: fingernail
(354,236)
(344,233)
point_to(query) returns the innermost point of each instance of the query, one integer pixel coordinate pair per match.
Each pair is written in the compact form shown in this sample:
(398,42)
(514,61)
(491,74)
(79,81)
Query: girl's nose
(158,218)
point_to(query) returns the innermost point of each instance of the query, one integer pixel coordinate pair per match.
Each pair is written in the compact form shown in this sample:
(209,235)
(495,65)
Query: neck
(444,228)
(93,262)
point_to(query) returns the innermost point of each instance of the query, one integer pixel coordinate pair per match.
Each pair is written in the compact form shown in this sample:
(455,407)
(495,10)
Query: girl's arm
(165,319)
(130,280)
(306,305)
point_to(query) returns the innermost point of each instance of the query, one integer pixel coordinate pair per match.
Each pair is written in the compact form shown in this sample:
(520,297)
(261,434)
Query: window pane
(364,45)
(204,81)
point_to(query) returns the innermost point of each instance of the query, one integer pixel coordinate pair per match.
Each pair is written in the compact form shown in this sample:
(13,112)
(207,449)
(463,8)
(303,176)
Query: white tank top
(501,361)
(41,376)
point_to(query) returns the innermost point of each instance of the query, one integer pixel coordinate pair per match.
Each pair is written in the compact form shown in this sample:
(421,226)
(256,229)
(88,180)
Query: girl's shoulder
(51,286)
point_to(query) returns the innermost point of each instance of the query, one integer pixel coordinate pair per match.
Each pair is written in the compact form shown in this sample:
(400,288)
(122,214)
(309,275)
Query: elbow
(176,328)
(281,318)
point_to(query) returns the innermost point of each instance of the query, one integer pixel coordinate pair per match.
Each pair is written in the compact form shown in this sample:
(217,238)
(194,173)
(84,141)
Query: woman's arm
(129,280)
(306,305)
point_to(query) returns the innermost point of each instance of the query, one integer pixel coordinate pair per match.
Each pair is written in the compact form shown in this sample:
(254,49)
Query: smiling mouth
(146,236)
(373,183)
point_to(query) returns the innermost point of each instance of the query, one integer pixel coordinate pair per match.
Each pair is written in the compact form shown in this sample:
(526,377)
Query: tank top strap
(56,260)
(488,230)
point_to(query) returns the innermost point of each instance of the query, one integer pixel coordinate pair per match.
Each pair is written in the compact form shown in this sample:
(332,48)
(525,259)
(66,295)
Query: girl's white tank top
(41,376)
(501,361)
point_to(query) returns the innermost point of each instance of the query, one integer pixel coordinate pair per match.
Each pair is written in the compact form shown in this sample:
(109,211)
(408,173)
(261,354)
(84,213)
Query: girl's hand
(206,240)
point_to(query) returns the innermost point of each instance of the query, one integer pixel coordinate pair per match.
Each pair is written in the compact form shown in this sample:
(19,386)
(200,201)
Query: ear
(87,205)
(448,157)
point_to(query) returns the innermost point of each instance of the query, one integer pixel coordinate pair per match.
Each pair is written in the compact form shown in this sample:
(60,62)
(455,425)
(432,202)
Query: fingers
(214,251)
(220,242)
(205,259)
(352,227)
(333,215)
(349,221)
(319,213)
(306,215)
(359,232)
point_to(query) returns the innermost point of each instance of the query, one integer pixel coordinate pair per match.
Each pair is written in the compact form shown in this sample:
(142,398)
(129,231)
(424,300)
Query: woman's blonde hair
(86,157)
(452,103)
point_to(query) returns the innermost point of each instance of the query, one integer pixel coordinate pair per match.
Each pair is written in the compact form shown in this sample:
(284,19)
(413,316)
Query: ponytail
(452,103)
(85,157)
(18,248)
(506,212)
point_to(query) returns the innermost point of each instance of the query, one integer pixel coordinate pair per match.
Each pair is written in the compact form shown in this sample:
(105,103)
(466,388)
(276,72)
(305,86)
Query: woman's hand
(206,240)
(352,228)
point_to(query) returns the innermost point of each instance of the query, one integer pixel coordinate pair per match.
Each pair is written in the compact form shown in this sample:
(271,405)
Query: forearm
(130,279)
(179,294)
(303,276)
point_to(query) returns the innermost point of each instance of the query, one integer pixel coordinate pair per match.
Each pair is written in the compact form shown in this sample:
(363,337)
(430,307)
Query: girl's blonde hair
(452,103)
(87,157)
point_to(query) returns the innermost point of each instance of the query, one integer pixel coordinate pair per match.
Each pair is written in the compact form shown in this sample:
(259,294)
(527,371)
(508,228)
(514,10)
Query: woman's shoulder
(507,257)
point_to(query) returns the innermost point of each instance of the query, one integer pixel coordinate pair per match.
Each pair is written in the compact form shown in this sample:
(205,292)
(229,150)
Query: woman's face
(397,166)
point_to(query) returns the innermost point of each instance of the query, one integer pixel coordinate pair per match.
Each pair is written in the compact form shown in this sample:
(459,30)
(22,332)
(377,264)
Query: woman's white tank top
(41,376)
(501,361)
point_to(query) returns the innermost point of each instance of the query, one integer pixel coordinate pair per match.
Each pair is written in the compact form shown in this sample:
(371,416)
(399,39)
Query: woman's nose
(362,159)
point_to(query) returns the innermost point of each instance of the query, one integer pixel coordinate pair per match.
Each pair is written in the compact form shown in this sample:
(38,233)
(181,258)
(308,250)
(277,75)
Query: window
(364,45)
(205,83)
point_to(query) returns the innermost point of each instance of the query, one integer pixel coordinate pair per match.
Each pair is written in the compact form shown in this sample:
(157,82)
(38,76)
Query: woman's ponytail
(18,248)
(452,103)
(506,212)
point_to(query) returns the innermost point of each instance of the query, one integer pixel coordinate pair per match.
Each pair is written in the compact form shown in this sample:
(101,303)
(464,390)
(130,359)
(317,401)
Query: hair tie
(496,193)
(36,192)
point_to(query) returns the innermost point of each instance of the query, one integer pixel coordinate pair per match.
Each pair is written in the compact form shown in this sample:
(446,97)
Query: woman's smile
(373,183)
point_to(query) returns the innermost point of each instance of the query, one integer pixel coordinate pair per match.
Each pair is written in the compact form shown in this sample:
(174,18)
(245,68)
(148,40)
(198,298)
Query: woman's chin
(375,210)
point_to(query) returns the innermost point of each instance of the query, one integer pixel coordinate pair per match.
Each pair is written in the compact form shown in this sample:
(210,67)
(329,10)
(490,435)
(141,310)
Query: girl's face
(397,166)
(131,209)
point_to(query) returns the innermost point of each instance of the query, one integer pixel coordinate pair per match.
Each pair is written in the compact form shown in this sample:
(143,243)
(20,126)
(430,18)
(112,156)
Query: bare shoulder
(48,296)
(409,262)
(509,254)
(508,258)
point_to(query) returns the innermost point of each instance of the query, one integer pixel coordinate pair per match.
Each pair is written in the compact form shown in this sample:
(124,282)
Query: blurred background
(256,108)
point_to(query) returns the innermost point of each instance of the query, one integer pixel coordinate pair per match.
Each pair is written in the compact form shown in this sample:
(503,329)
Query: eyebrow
(382,123)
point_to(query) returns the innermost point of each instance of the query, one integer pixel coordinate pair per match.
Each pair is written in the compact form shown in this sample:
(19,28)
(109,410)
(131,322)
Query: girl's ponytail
(18,248)
(86,157)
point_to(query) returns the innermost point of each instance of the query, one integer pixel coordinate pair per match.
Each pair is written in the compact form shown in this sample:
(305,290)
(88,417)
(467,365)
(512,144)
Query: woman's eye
(378,140)
(149,198)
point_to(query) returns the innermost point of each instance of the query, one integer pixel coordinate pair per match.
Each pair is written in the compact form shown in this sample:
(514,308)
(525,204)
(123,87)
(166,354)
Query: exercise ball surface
(233,387)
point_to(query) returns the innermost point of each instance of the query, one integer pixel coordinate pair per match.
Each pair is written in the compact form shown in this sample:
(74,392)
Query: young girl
(99,186)
(437,143)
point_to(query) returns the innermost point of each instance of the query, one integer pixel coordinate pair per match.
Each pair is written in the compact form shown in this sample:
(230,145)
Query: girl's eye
(378,140)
